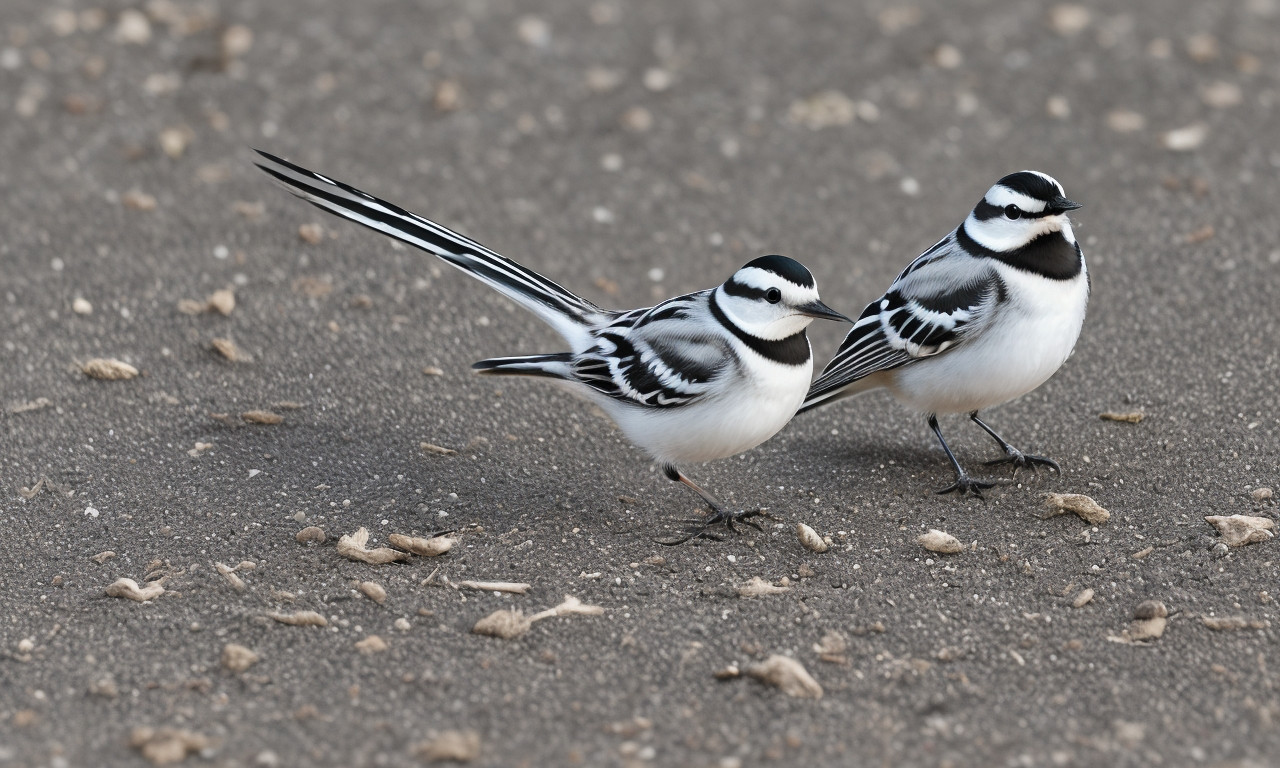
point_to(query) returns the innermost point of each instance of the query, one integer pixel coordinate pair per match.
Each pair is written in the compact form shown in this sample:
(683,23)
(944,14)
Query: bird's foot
(965,484)
(1021,460)
(701,529)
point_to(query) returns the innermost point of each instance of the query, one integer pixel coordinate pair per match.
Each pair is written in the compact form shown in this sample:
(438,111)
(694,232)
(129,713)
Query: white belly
(1021,348)
(742,418)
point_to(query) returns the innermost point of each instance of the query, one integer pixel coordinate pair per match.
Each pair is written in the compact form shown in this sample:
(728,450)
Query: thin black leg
(1012,455)
(701,529)
(963,484)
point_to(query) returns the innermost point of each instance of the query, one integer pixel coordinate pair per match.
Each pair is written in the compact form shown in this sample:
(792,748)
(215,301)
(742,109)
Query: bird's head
(1019,208)
(772,298)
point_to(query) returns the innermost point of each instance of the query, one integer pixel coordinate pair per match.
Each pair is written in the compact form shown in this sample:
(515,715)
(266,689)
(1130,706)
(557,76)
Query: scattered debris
(138,200)
(508,624)
(1185,139)
(108,369)
(402,624)
(374,591)
(832,648)
(432,547)
(1142,553)
(1129,418)
(261,417)
(823,110)
(758,586)
(229,574)
(1149,621)
(1229,623)
(371,645)
(310,534)
(103,556)
(300,619)
(39,403)
(223,301)
(1257,494)
(130,589)
(164,746)
(432,370)
(1239,530)
(810,539)
(81,306)
(456,746)
(787,674)
(940,541)
(1125,121)
(1079,504)
(438,450)
(230,350)
(311,233)
(1082,599)
(238,658)
(514,587)
(1069,19)
(353,547)
(199,449)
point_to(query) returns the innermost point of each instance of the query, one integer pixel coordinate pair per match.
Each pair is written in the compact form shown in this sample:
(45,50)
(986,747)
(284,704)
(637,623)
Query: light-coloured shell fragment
(108,369)
(787,674)
(128,588)
(1079,504)
(432,547)
(940,541)
(353,547)
(810,539)
(300,619)
(1239,530)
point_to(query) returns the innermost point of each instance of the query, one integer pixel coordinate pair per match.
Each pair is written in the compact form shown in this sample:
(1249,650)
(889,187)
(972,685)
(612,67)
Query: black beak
(1061,204)
(821,311)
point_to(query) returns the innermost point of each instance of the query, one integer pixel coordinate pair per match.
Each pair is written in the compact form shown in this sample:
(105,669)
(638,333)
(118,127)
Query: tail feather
(571,315)
(554,366)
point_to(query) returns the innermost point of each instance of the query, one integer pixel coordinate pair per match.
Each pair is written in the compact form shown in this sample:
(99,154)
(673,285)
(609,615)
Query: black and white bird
(698,377)
(987,314)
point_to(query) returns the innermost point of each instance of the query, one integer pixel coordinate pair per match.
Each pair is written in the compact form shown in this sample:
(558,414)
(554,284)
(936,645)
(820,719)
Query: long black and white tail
(571,315)
(557,365)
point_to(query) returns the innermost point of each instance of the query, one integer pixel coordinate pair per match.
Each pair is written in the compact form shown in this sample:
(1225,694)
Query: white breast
(1025,341)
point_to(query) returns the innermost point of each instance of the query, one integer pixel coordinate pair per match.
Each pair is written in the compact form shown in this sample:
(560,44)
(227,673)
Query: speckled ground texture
(631,151)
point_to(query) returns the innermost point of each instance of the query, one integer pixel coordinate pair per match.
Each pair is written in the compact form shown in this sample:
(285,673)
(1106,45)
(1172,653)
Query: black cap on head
(786,268)
(1032,185)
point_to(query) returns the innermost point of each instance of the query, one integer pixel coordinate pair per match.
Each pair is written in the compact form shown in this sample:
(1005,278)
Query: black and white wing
(943,297)
(666,356)
(571,315)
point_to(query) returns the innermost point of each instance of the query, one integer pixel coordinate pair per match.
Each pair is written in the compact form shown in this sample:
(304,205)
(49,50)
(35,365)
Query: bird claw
(701,529)
(1021,460)
(965,484)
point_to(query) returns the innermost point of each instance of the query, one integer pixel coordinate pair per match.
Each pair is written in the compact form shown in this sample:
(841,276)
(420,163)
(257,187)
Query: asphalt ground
(632,152)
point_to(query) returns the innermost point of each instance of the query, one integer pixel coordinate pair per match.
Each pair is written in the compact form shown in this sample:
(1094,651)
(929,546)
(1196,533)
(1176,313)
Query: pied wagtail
(987,314)
(698,377)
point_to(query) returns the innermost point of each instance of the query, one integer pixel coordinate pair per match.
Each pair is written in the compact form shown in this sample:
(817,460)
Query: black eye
(1011,212)
(773,295)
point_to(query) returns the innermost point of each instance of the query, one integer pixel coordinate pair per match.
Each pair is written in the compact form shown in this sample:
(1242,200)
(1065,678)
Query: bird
(698,377)
(986,315)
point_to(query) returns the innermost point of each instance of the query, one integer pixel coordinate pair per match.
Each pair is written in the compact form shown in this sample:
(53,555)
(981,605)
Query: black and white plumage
(987,314)
(698,377)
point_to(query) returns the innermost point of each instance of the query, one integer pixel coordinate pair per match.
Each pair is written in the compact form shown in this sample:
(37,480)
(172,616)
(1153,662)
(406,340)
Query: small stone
(165,746)
(238,658)
(81,307)
(174,141)
(1202,47)
(1125,121)
(448,96)
(810,539)
(223,301)
(534,31)
(1069,19)
(823,110)
(1185,139)
(787,674)
(353,547)
(1239,530)
(757,587)
(1082,598)
(832,648)
(1221,94)
(300,619)
(311,233)
(138,200)
(108,369)
(1260,494)
(371,645)
(506,624)
(948,56)
(261,417)
(310,535)
(230,350)
(237,39)
(1058,107)
(374,591)
(940,541)
(133,28)
(402,624)
(455,746)
(103,556)
(1083,506)
(637,119)
(436,450)
(1150,609)
(432,547)
(128,588)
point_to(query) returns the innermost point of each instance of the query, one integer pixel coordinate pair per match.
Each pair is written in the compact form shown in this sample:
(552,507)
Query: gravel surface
(631,151)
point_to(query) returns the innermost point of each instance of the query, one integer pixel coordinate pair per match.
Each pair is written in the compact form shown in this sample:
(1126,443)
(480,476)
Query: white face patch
(1003,234)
